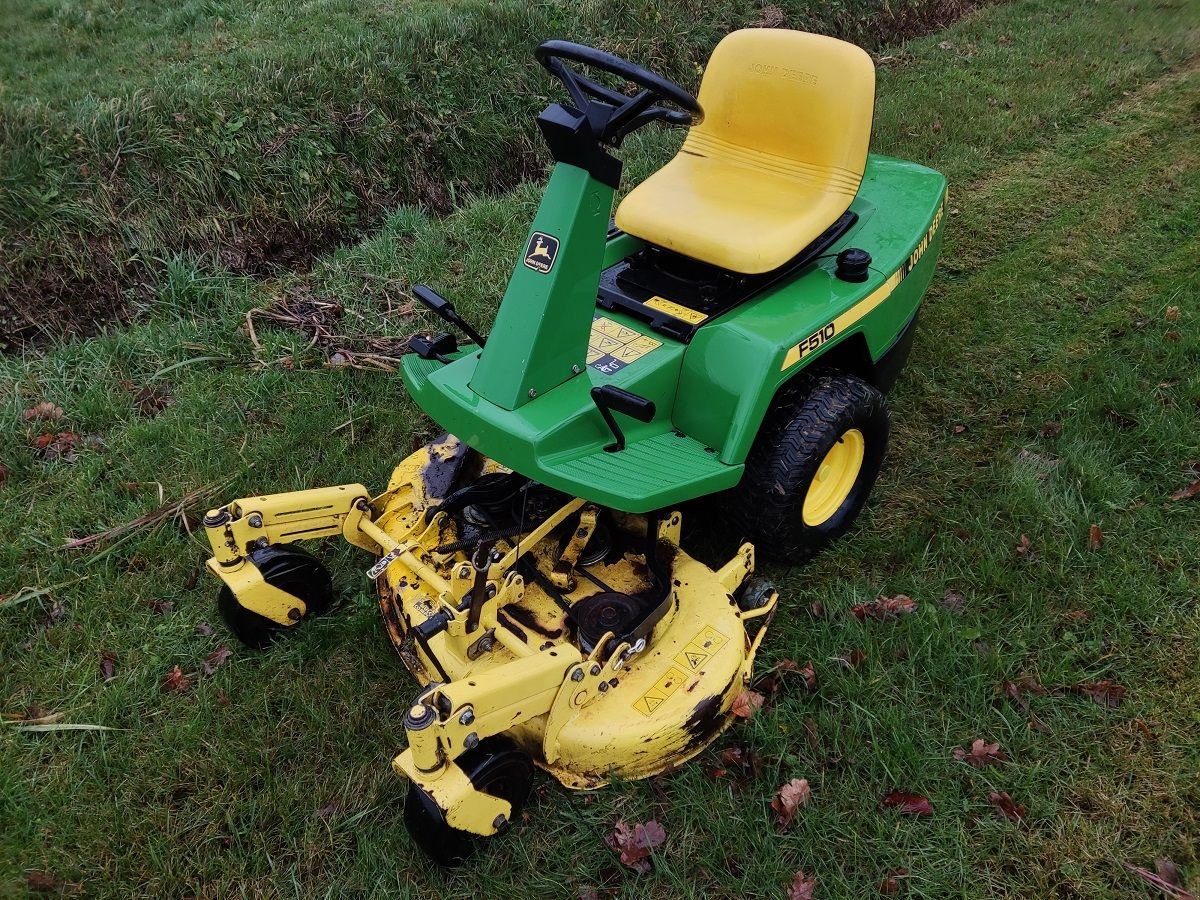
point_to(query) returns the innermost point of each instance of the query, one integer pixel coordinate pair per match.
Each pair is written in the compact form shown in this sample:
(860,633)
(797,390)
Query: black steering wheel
(612,114)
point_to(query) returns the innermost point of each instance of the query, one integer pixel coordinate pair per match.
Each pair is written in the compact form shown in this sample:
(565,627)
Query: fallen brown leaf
(57,446)
(1106,692)
(327,812)
(907,803)
(635,843)
(204,629)
(884,608)
(108,666)
(1016,690)
(1050,430)
(1172,314)
(739,761)
(852,659)
(215,660)
(1188,493)
(788,801)
(43,882)
(1095,537)
(1024,549)
(175,682)
(746,704)
(890,886)
(803,886)
(1165,868)
(162,607)
(1006,806)
(150,400)
(44,412)
(981,754)
(953,601)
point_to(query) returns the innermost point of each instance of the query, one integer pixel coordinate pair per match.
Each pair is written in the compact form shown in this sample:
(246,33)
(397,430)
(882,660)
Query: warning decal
(688,661)
(663,688)
(700,648)
(677,310)
(612,346)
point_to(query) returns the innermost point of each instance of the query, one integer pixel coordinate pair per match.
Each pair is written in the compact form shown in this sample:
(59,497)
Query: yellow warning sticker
(612,346)
(690,659)
(697,652)
(684,313)
(657,695)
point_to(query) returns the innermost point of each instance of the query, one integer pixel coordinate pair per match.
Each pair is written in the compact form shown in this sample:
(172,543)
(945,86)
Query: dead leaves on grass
(981,754)
(108,666)
(1191,492)
(215,660)
(636,843)
(1007,806)
(907,803)
(884,608)
(746,704)
(789,800)
(1105,692)
(803,886)
(43,412)
(148,399)
(177,681)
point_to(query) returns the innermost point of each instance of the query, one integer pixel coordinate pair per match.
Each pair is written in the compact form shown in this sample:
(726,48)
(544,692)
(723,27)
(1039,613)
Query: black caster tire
(812,467)
(290,569)
(755,593)
(497,767)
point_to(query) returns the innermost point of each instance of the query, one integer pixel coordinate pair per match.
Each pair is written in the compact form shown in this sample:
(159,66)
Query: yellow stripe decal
(866,305)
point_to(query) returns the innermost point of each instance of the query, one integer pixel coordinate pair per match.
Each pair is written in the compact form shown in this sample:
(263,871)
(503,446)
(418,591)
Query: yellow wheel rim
(835,478)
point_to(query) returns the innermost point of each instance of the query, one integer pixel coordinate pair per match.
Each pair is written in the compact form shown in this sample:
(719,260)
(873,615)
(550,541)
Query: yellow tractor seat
(777,159)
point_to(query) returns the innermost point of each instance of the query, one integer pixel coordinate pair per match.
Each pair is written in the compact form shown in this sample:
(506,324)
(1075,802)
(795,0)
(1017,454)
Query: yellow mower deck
(490,640)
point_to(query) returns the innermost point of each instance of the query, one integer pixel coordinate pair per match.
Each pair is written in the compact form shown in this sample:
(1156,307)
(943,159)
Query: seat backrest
(806,98)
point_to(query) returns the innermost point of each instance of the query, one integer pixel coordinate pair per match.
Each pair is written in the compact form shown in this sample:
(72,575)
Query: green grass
(1069,134)
(262,133)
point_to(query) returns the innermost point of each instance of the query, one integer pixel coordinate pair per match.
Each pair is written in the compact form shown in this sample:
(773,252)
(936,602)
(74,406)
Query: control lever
(444,310)
(437,347)
(609,398)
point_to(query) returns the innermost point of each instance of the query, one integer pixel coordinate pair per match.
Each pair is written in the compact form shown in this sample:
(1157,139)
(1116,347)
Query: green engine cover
(525,400)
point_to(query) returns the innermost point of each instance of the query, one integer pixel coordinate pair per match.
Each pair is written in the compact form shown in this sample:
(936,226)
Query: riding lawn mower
(729,335)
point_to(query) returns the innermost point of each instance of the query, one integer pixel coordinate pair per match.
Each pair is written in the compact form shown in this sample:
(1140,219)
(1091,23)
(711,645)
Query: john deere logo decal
(540,253)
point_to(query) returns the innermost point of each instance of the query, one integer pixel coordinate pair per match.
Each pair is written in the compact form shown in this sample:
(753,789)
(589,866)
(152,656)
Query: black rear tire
(290,569)
(497,767)
(769,504)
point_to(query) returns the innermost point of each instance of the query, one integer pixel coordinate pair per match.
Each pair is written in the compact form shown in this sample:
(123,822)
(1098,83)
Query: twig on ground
(173,510)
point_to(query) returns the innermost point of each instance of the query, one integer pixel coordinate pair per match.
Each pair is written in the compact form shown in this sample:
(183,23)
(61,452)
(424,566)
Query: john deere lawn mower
(729,335)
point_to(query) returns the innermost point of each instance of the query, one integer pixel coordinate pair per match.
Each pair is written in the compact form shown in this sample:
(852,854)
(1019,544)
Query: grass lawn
(1053,387)
(261,133)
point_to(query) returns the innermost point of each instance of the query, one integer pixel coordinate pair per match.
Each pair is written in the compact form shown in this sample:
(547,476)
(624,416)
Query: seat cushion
(744,218)
(778,157)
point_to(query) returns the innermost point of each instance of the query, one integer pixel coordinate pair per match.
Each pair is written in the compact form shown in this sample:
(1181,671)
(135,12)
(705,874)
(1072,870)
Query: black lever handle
(444,310)
(608,398)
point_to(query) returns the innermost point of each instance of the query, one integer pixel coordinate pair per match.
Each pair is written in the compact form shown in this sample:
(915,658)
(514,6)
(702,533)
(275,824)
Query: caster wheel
(495,767)
(290,569)
(755,593)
